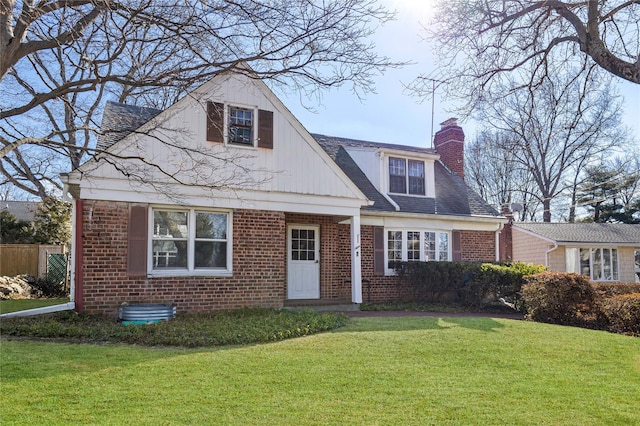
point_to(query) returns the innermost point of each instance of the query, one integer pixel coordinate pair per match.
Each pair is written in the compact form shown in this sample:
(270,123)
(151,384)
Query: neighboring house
(21,210)
(292,218)
(601,251)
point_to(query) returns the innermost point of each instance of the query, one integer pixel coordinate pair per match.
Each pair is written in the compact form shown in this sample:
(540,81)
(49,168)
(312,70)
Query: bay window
(415,245)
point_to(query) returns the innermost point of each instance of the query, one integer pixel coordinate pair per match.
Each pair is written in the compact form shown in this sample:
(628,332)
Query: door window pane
(303,244)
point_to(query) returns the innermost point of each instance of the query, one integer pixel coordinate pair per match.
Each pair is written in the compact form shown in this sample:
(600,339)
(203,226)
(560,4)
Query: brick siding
(259,266)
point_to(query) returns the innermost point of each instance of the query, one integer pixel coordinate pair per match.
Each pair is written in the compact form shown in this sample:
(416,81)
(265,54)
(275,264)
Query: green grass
(374,371)
(7,306)
(242,326)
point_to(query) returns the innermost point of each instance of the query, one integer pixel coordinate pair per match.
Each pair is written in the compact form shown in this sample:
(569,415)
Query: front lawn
(7,306)
(382,371)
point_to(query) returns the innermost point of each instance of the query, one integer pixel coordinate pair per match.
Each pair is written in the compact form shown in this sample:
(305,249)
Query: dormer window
(406,174)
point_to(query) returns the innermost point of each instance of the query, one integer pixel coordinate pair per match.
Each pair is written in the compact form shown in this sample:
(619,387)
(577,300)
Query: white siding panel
(296,165)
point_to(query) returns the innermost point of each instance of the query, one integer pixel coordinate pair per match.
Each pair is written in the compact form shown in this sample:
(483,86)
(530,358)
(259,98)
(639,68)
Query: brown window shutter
(378,251)
(457,246)
(137,241)
(265,129)
(215,122)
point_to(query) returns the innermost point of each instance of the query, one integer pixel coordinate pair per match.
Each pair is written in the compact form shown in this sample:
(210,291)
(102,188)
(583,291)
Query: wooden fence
(30,259)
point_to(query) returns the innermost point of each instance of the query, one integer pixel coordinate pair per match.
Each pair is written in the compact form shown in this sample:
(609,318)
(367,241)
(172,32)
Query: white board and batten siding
(296,170)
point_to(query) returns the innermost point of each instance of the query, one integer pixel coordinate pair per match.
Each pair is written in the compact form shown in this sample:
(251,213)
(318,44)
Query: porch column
(356,271)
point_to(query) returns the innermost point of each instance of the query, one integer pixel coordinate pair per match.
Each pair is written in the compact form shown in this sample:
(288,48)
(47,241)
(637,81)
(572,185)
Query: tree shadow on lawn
(56,358)
(412,322)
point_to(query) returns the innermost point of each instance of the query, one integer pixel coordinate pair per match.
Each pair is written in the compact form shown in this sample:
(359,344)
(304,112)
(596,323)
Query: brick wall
(478,246)
(259,265)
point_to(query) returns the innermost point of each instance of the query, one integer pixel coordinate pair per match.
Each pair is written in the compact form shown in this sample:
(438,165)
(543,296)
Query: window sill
(404,194)
(175,273)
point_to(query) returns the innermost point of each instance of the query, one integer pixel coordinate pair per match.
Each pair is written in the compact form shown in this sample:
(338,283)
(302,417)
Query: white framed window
(597,263)
(190,242)
(241,126)
(406,176)
(416,245)
(636,255)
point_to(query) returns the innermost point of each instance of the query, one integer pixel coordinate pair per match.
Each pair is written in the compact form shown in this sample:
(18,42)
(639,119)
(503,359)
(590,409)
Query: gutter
(69,306)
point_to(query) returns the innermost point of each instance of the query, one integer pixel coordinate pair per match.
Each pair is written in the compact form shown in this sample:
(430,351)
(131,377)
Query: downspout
(72,260)
(497,236)
(77,256)
(546,254)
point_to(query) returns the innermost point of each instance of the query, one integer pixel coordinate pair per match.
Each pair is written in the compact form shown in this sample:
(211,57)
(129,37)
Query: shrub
(623,313)
(236,327)
(474,284)
(501,281)
(616,289)
(431,281)
(48,288)
(561,298)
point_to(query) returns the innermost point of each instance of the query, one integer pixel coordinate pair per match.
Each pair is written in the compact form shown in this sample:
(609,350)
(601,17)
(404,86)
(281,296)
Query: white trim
(190,270)
(226,124)
(69,306)
(404,248)
(356,267)
(444,222)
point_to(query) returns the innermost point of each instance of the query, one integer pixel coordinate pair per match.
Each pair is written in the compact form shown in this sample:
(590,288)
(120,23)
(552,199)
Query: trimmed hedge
(623,313)
(497,281)
(473,284)
(562,298)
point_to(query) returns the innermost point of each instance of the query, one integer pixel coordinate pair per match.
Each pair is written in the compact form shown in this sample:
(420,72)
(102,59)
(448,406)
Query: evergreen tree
(52,222)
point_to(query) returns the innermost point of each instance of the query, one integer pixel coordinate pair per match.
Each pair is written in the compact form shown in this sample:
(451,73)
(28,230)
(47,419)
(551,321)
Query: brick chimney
(449,143)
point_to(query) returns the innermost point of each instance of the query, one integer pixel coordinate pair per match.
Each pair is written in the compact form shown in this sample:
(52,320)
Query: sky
(391,115)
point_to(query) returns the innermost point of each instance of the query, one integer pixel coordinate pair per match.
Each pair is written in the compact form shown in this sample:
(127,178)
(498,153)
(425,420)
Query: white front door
(303,260)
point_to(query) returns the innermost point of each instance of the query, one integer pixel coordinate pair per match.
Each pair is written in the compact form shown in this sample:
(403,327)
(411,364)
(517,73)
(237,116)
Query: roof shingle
(593,233)
(453,196)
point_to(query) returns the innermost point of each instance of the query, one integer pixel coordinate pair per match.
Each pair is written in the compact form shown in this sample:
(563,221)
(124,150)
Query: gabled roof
(453,196)
(118,120)
(592,233)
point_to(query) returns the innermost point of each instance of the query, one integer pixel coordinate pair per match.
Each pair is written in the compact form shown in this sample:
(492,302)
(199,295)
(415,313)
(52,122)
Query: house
(21,210)
(225,200)
(601,251)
